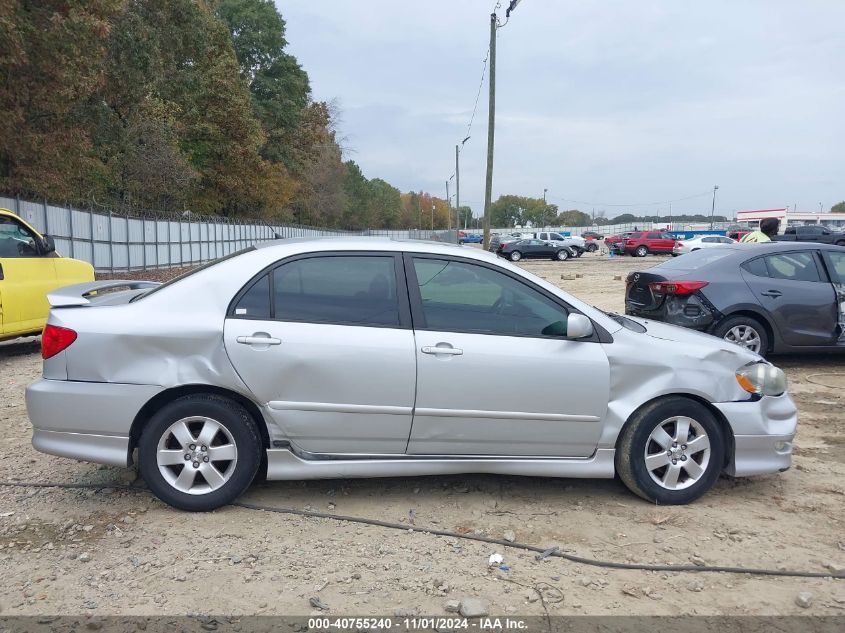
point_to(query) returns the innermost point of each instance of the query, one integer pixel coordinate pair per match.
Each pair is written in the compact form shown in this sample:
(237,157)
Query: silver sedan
(370,357)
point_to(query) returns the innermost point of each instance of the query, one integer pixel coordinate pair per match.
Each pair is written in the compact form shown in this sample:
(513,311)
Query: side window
(16,240)
(653,236)
(709,240)
(757,267)
(793,266)
(667,236)
(354,290)
(838,260)
(462,297)
(255,302)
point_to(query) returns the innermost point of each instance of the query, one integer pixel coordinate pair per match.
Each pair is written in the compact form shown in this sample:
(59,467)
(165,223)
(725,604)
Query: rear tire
(562,255)
(199,452)
(592,248)
(515,256)
(745,331)
(671,451)
(641,251)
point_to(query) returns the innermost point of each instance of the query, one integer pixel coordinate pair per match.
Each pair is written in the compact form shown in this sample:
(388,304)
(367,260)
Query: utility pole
(491,123)
(458,191)
(713,208)
(670,216)
(449,208)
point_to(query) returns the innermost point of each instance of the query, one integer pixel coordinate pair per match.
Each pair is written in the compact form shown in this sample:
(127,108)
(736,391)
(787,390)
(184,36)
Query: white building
(752,219)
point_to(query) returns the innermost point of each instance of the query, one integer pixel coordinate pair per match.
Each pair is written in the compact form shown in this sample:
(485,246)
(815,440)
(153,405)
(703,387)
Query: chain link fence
(116,243)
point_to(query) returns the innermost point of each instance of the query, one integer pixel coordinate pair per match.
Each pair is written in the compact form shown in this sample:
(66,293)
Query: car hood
(691,338)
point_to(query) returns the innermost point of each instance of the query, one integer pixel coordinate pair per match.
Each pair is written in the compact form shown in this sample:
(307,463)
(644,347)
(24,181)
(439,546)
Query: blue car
(469,238)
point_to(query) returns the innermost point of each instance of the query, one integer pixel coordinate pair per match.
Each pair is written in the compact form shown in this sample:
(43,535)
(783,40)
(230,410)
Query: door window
(354,290)
(255,302)
(16,240)
(838,261)
(757,267)
(345,290)
(653,236)
(793,266)
(461,297)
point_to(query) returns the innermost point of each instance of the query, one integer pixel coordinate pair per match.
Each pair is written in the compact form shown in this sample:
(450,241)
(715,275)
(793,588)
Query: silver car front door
(495,373)
(325,344)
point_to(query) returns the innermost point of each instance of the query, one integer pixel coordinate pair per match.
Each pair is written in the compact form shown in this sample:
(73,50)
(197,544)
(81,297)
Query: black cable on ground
(555,552)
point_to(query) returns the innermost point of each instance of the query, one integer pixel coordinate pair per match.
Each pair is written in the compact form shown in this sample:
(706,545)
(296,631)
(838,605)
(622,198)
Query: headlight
(762,379)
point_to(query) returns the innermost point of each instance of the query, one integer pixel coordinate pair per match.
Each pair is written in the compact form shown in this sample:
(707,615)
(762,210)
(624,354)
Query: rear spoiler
(77,294)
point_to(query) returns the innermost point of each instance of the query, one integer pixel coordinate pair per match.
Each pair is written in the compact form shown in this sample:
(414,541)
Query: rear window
(696,259)
(214,262)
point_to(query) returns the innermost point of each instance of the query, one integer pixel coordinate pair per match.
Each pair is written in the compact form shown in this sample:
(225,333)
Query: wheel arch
(727,431)
(757,316)
(169,395)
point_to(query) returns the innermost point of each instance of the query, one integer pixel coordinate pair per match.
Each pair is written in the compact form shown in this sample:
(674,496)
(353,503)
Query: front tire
(199,452)
(515,256)
(641,251)
(671,451)
(746,332)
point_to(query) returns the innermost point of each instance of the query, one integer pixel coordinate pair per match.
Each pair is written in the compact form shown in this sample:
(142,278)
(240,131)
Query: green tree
(510,210)
(838,207)
(277,83)
(574,217)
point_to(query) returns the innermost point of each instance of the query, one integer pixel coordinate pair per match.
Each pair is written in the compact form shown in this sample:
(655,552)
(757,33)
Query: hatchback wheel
(641,251)
(563,255)
(746,332)
(671,452)
(592,248)
(199,452)
(515,256)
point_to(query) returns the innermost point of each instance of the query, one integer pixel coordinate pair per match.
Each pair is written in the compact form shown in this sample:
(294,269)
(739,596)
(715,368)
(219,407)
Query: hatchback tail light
(630,242)
(679,244)
(677,287)
(55,339)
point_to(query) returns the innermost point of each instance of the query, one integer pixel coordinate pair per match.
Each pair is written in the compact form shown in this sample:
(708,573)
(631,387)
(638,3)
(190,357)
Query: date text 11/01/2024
(417,623)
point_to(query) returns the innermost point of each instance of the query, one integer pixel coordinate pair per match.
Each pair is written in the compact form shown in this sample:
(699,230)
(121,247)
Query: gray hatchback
(770,298)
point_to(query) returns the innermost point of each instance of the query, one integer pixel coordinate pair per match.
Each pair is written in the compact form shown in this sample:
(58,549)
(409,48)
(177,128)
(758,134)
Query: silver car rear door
(489,382)
(325,344)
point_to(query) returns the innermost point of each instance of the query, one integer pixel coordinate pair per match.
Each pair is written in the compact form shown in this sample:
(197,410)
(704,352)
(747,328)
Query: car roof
(374,243)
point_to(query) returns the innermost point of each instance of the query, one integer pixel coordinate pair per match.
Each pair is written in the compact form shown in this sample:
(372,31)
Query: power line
(633,204)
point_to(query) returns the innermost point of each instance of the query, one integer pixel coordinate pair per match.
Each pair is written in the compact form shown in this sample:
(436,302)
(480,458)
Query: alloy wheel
(744,336)
(196,455)
(677,453)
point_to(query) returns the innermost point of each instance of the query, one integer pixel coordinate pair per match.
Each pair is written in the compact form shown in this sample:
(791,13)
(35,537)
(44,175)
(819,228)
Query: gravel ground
(116,551)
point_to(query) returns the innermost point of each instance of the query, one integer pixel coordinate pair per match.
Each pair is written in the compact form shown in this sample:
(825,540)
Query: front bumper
(763,434)
(90,421)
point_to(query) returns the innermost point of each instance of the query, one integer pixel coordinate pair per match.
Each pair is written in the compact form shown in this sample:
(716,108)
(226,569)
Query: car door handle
(448,351)
(258,340)
(772,293)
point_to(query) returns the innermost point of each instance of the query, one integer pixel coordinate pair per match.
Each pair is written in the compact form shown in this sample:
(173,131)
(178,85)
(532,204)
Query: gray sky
(605,101)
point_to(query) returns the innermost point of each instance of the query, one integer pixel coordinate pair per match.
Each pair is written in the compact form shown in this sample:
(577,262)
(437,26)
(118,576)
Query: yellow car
(30,267)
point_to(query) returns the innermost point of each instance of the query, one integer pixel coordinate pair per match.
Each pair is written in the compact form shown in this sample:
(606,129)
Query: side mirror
(578,326)
(47,244)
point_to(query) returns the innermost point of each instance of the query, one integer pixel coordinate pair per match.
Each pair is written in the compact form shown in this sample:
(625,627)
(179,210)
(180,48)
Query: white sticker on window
(240,310)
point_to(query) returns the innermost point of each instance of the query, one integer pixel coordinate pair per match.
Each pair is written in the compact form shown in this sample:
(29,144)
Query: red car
(612,240)
(642,243)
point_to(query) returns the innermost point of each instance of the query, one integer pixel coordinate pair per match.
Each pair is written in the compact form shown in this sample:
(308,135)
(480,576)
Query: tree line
(174,105)
(510,210)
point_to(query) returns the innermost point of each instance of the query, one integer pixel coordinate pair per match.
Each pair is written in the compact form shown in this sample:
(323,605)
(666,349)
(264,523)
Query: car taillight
(630,242)
(55,339)
(679,243)
(677,287)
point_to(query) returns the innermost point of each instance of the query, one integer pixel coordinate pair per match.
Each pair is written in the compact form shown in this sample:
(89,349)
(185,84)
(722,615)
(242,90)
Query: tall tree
(278,84)
(51,63)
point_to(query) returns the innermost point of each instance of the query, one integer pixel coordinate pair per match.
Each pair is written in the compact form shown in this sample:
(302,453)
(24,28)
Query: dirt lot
(114,551)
